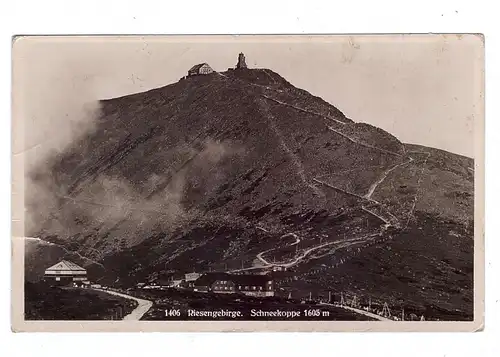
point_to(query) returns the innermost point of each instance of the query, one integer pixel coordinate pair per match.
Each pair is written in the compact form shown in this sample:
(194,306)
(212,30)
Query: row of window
(241,287)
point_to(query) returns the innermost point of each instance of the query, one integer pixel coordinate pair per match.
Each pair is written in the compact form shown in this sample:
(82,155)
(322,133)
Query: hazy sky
(422,89)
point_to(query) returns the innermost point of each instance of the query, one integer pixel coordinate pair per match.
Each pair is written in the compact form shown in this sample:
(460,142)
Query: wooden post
(354,301)
(386,312)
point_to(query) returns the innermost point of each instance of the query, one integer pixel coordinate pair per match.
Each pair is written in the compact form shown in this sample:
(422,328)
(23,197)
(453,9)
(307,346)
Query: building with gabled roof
(225,283)
(202,68)
(64,273)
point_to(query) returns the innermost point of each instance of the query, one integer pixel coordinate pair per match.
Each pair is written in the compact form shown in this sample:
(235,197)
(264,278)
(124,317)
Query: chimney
(241,61)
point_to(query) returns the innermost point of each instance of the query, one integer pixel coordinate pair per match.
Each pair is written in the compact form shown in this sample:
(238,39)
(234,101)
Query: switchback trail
(383,213)
(300,170)
(303,110)
(307,252)
(374,185)
(415,198)
(363,144)
(136,314)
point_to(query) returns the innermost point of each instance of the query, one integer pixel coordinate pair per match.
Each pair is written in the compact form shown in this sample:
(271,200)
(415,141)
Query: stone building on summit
(241,62)
(200,69)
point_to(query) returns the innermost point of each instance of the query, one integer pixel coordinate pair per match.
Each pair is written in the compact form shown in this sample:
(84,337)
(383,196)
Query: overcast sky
(423,89)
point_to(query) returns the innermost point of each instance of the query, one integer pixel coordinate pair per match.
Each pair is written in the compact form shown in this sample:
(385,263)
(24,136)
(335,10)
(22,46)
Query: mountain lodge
(225,283)
(199,69)
(65,273)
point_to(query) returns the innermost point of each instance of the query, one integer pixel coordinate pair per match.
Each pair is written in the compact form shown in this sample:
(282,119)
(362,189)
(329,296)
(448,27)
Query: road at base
(142,307)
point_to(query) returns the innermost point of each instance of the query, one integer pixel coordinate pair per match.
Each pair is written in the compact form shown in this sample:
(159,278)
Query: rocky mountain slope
(208,172)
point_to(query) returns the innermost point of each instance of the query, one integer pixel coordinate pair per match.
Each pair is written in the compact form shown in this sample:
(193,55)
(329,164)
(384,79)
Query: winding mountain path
(303,110)
(346,243)
(363,144)
(136,314)
(384,175)
(415,198)
(296,160)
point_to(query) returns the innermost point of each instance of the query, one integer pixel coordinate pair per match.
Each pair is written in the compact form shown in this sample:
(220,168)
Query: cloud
(124,212)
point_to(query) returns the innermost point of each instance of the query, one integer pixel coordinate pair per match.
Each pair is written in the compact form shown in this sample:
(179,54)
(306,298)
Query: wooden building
(200,69)
(225,283)
(65,273)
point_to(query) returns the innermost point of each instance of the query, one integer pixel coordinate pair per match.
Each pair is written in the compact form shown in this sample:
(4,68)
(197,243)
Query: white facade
(65,268)
(205,69)
(192,276)
(200,69)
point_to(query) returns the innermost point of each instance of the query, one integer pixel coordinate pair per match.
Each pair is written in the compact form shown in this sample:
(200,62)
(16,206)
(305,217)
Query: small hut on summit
(200,69)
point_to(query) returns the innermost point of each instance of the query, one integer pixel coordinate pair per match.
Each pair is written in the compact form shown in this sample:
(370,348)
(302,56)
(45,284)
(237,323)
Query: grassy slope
(54,303)
(181,176)
(427,269)
(222,153)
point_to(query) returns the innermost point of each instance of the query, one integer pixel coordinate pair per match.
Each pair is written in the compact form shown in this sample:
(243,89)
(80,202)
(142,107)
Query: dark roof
(208,278)
(66,265)
(197,67)
(239,279)
(254,279)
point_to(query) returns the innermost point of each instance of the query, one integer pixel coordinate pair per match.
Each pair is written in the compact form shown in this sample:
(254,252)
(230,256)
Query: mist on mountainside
(216,169)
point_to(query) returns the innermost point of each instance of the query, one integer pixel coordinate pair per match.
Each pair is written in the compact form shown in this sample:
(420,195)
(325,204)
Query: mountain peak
(222,167)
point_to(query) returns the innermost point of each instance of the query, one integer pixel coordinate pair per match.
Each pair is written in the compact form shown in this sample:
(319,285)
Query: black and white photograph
(234,179)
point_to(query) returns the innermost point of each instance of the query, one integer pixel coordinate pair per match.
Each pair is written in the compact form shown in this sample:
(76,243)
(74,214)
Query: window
(246,287)
(260,287)
(253,288)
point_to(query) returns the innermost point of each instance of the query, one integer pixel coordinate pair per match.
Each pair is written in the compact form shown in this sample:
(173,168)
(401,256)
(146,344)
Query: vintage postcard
(248,183)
